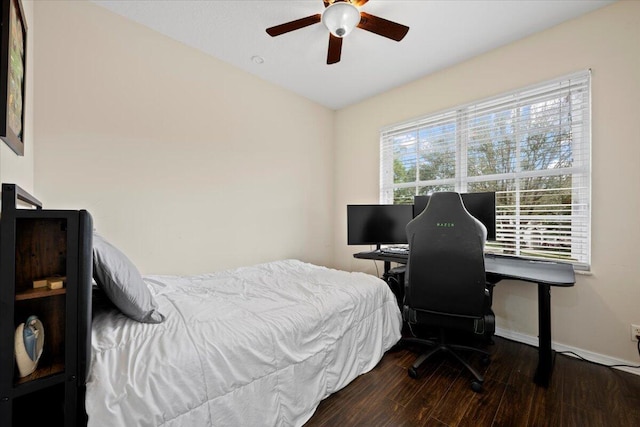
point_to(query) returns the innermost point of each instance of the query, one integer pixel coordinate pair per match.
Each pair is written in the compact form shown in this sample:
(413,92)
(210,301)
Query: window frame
(579,142)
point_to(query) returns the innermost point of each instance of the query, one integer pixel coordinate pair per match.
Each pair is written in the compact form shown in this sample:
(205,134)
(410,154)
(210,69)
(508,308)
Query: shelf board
(25,388)
(41,372)
(39,293)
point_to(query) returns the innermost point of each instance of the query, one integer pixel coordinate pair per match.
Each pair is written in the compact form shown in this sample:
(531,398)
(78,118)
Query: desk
(499,267)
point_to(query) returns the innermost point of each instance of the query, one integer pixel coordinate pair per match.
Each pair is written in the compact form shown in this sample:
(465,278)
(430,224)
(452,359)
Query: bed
(253,346)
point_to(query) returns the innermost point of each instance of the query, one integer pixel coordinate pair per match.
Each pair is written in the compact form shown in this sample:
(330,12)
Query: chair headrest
(448,204)
(446,210)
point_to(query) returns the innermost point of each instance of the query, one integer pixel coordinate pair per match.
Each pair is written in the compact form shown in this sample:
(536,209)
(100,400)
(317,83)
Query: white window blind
(531,146)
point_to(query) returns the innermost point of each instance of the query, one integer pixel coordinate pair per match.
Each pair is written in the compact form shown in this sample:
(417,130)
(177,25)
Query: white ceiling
(443,33)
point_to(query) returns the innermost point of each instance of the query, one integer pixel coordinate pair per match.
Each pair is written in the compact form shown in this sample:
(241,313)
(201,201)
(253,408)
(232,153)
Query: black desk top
(507,267)
(382,256)
(547,272)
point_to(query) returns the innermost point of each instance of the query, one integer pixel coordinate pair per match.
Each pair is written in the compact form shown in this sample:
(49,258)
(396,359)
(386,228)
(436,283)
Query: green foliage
(437,165)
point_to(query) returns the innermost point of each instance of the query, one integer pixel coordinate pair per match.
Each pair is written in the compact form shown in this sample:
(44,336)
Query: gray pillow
(121,282)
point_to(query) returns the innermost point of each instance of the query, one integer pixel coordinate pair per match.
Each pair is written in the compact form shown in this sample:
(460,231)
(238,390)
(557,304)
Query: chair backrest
(445,270)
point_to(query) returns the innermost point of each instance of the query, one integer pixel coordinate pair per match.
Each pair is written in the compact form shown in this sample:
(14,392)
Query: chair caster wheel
(413,373)
(476,386)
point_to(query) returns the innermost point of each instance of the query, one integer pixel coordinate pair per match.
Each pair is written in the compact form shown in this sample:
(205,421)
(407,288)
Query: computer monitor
(480,205)
(378,224)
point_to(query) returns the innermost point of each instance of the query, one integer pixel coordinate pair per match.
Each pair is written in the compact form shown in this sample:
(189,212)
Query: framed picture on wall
(13,41)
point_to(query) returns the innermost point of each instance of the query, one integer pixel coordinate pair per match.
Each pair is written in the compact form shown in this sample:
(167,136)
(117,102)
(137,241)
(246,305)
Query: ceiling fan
(340,17)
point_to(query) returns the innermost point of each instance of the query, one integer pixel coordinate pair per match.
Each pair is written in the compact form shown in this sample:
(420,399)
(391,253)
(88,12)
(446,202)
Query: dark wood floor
(580,394)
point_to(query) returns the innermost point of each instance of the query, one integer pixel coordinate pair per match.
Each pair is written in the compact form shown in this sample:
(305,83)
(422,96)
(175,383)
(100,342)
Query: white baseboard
(588,355)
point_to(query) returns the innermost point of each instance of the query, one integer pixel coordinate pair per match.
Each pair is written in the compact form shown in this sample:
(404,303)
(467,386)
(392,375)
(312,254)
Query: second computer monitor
(480,205)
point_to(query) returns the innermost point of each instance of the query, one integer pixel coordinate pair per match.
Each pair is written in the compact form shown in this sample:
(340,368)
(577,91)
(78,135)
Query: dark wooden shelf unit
(36,244)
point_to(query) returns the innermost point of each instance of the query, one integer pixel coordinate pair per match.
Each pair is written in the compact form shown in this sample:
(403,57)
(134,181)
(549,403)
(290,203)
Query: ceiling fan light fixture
(341,18)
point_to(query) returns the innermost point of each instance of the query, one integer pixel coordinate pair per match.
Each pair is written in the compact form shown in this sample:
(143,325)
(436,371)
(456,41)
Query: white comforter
(255,346)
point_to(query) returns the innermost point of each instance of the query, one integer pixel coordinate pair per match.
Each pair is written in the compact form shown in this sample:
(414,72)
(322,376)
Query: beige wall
(13,168)
(596,314)
(186,163)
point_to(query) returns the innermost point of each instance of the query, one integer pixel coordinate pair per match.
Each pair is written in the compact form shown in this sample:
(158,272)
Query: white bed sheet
(254,346)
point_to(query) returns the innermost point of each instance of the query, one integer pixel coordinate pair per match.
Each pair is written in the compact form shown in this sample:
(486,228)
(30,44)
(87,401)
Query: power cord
(375,263)
(602,364)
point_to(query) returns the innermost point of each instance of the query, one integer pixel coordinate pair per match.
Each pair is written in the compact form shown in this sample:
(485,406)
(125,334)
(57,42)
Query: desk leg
(545,354)
(387,267)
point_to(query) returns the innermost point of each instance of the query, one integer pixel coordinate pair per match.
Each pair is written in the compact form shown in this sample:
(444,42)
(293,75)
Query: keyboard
(395,250)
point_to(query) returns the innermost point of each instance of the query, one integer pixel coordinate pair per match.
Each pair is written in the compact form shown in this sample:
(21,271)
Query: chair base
(476,384)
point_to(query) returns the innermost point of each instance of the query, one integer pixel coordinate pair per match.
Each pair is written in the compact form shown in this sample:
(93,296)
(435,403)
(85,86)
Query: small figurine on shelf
(29,341)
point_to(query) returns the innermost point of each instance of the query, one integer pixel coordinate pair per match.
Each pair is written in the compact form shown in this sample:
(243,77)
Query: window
(531,146)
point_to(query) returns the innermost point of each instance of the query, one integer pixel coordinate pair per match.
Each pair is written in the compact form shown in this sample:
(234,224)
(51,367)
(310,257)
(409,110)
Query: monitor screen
(480,205)
(377,224)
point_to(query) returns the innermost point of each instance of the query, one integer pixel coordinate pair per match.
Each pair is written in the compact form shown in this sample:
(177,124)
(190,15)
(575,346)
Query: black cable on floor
(598,363)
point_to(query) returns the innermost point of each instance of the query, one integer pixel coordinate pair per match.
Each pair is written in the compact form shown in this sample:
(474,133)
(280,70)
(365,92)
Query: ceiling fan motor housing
(341,18)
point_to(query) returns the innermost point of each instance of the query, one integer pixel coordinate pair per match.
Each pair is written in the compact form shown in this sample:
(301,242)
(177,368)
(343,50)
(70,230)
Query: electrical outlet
(635,332)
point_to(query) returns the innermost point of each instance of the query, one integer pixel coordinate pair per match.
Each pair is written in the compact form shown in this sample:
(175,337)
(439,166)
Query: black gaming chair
(445,284)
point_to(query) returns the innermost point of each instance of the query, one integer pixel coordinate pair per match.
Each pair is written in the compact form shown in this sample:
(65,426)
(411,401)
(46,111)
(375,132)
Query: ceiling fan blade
(335,49)
(358,3)
(293,25)
(382,27)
